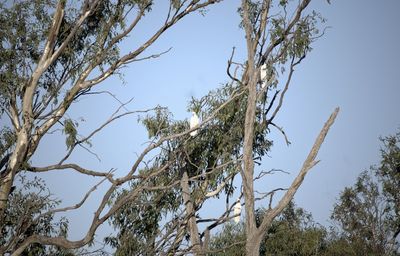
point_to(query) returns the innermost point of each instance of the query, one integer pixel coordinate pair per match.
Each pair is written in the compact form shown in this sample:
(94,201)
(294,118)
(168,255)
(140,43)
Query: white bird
(237,210)
(194,121)
(263,75)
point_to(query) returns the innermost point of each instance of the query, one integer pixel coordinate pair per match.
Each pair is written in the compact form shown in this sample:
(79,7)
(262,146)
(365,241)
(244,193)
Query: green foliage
(20,43)
(195,105)
(23,34)
(218,143)
(360,219)
(389,174)
(283,2)
(228,125)
(155,124)
(138,222)
(230,241)
(71,132)
(7,140)
(176,3)
(368,212)
(367,215)
(253,13)
(297,41)
(25,215)
(293,233)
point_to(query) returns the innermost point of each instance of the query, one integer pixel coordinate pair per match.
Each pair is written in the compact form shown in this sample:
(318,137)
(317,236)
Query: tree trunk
(253,246)
(190,212)
(15,161)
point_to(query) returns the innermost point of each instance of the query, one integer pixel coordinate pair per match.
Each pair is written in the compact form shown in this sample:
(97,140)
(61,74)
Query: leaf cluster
(25,217)
(293,233)
(70,132)
(208,158)
(24,33)
(368,213)
(7,141)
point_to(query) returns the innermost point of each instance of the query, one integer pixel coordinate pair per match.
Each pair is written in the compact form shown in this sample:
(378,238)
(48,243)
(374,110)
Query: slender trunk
(252,246)
(248,163)
(190,212)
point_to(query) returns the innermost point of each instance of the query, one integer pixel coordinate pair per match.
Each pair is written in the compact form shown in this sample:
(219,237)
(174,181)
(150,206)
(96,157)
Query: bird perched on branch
(194,122)
(267,77)
(237,210)
(263,75)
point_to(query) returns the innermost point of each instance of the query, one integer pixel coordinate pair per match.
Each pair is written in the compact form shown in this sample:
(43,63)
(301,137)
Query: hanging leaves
(70,132)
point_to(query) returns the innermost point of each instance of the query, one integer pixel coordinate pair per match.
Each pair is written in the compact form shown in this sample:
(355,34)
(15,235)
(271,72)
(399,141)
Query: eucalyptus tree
(53,53)
(232,135)
(51,61)
(367,214)
(278,36)
(196,169)
(293,232)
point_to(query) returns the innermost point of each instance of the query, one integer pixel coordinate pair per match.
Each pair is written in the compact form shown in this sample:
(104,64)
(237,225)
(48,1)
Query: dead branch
(307,165)
(282,131)
(73,207)
(73,166)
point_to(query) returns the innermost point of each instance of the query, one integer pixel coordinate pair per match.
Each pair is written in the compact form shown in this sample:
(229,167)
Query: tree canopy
(364,219)
(368,212)
(54,52)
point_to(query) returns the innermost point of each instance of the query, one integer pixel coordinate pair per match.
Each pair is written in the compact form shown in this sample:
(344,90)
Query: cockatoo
(194,121)
(263,75)
(237,210)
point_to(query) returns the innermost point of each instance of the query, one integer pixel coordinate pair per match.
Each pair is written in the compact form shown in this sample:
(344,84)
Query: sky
(353,66)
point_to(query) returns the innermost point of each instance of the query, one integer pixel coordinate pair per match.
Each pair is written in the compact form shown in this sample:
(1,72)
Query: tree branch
(307,165)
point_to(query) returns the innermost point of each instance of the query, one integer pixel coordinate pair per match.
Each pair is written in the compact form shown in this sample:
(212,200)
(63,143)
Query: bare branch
(220,187)
(282,131)
(106,123)
(263,173)
(153,56)
(51,39)
(74,167)
(132,55)
(307,165)
(73,207)
(283,92)
(270,194)
(233,77)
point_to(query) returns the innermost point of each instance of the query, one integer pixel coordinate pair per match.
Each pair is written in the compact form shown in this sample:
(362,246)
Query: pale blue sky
(354,66)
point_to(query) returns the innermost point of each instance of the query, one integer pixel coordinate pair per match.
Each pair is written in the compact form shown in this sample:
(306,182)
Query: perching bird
(237,210)
(263,75)
(194,121)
